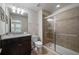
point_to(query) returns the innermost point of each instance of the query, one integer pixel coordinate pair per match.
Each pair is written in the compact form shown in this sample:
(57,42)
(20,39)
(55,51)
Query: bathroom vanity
(16,41)
(16,44)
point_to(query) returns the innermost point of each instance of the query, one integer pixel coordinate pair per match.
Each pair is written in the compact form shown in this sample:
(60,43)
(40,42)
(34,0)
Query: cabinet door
(23,46)
(17,46)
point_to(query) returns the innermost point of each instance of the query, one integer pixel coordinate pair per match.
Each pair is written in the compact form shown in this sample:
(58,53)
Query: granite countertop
(8,36)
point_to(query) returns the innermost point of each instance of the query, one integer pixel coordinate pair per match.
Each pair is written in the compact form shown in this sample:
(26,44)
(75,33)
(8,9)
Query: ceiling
(37,6)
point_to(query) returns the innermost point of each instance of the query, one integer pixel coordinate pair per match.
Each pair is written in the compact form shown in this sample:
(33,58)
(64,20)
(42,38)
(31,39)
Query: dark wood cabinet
(16,46)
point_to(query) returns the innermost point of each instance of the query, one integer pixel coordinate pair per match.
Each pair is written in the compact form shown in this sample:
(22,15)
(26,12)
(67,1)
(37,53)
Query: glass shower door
(67,32)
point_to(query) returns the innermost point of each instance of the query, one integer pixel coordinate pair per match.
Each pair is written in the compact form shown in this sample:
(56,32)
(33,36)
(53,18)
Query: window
(16,26)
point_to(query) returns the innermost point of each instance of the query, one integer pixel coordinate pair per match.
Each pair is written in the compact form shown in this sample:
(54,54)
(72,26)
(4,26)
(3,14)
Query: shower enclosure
(65,32)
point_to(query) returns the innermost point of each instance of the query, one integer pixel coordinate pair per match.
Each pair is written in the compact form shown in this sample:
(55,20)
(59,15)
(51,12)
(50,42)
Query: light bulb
(13,9)
(22,11)
(58,6)
(18,10)
(49,19)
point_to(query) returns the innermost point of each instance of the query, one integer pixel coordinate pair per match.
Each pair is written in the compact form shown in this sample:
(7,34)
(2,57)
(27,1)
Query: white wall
(35,23)
(32,22)
(40,29)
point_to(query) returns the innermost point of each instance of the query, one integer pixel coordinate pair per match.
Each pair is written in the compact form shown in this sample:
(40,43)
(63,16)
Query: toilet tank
(35,38)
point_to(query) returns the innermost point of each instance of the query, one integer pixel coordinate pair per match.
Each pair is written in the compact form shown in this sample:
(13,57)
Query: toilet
(36,41)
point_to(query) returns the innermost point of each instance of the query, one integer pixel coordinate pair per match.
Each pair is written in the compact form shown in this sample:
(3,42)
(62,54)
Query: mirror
(16,20)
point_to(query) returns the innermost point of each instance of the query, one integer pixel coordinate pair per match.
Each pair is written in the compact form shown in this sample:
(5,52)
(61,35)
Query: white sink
(13,36)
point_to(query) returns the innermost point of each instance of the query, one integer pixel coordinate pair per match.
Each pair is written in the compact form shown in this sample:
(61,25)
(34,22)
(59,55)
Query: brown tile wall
(47,33)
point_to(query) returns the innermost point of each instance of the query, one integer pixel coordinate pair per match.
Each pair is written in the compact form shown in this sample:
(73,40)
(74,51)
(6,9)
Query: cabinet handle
(19,44)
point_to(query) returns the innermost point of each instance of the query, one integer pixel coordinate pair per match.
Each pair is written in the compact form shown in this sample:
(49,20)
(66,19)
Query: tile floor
(43,51)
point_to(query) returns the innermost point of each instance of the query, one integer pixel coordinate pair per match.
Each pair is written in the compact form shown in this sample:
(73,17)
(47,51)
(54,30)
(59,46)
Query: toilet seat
(38,44)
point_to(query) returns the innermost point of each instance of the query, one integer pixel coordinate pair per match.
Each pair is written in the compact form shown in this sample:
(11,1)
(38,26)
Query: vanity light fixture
(58,6)
(18,10)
